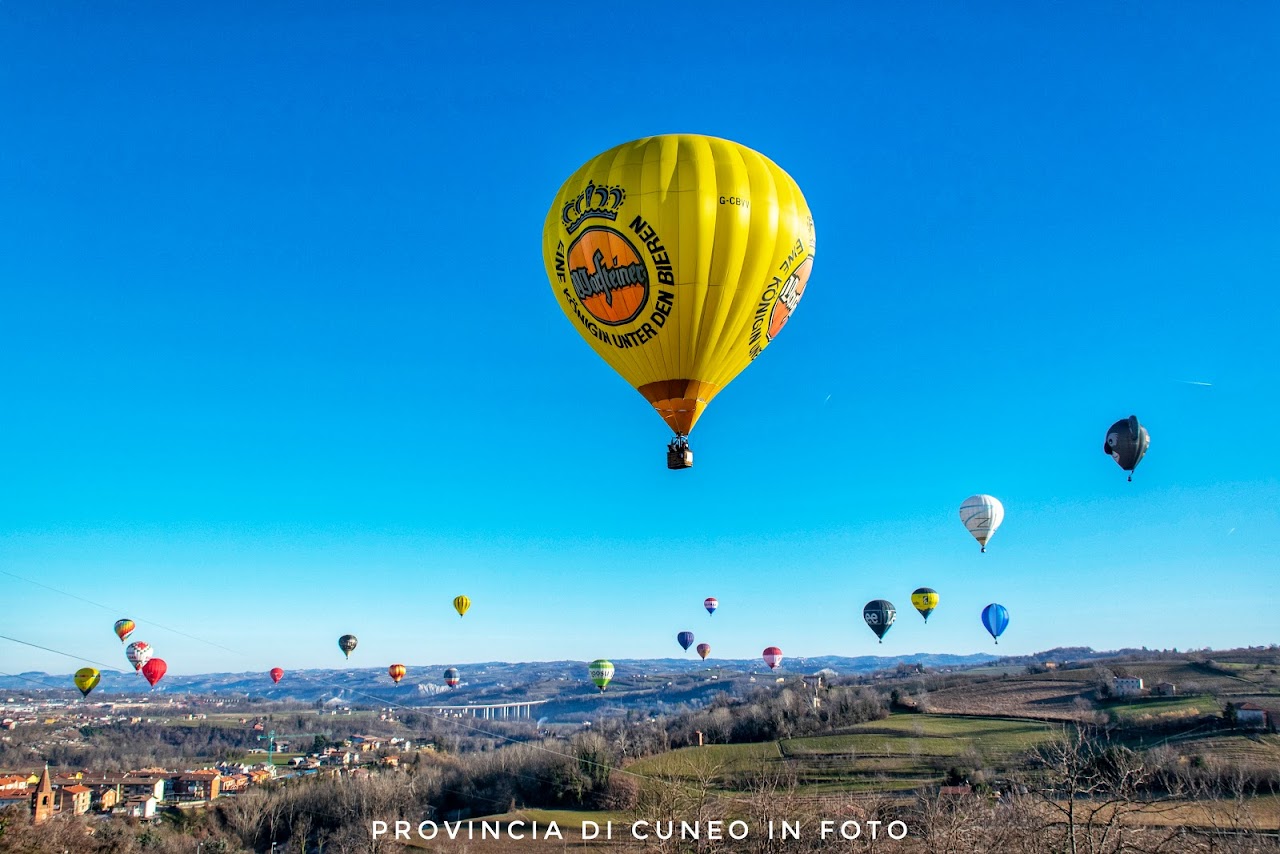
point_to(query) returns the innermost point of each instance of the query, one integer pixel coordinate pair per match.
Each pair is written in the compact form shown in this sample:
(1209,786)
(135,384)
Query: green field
(900,752)
(928,735)
(1240,747)
(721,760)
(1163,709)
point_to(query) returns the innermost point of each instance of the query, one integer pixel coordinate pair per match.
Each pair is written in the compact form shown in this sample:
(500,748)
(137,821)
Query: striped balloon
(124,628)
(996,619)
(601,672)
(772,657)
(711,603)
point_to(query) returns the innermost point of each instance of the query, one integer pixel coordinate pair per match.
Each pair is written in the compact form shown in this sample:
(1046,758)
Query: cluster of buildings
(129,793)
(1247,715)
(140,793)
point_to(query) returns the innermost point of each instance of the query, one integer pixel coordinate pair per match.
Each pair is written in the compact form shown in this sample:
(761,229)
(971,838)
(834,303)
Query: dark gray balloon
(1127,443)
(879,614)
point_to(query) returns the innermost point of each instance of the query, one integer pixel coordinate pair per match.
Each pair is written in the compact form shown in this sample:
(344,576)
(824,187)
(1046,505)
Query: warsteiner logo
(608,276)
(789,298)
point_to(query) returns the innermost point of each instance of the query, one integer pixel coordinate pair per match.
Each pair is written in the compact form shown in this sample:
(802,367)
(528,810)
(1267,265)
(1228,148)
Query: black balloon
(879,614)
(1127,443)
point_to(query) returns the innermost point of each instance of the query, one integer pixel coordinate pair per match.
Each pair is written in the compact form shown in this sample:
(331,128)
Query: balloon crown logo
(597,202)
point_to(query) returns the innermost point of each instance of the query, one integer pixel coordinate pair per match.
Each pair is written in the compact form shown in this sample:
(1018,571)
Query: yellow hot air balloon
(679,258)
(461,604)
(396,672)
(924,599)
(86,679)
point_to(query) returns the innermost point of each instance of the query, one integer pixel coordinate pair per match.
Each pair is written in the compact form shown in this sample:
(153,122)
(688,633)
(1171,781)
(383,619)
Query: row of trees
(770,713)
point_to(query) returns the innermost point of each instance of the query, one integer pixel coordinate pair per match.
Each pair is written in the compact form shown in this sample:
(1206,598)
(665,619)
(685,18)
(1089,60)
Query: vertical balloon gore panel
(679,258)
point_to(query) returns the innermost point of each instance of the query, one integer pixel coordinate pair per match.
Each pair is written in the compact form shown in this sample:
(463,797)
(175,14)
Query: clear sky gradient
(279,360)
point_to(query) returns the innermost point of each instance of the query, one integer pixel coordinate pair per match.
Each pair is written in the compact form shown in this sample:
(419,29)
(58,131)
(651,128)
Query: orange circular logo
(608,276)
(787,301)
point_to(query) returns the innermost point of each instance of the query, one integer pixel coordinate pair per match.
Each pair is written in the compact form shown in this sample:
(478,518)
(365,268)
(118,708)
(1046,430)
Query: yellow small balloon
(925,599)
(86,679)
(461,604)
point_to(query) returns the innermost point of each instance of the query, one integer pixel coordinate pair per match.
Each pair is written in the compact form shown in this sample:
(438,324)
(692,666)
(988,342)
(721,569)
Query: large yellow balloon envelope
(461,604)
(679,258)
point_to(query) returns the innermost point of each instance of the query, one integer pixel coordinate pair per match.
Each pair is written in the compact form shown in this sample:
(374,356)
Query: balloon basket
(679,454)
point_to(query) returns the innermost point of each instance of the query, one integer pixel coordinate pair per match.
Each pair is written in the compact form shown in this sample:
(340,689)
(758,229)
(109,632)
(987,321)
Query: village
(141,793)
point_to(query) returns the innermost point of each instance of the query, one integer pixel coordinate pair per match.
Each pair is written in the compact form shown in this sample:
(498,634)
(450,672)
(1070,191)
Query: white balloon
(139,653)
(981,515)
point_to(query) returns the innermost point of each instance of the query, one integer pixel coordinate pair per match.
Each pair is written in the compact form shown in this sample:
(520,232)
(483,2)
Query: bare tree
(1093,795)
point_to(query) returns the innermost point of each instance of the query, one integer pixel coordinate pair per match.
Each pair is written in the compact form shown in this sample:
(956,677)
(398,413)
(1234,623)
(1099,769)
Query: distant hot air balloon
(276,674)
(154,669)
(347,643)
(981,515)
(138,653)
(461,604)
(704,649)
(711,603)
(1127,442)
(995,618)
(124,628)
(879,614)
(925,599)
(396,672)
(86,679)
(601,671)
(451,677)
(772,657)
(685,639)
(678,258)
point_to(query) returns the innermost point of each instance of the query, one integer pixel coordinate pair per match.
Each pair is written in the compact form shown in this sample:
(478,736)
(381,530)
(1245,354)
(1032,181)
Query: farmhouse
(1250,716)
(1126,686)
(1164,689)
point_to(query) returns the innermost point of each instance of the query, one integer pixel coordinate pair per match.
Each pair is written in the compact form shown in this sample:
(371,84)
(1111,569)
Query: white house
(1126,686)
(138,807)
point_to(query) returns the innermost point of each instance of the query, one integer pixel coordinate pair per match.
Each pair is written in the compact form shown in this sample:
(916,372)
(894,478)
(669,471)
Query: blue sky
(280,360)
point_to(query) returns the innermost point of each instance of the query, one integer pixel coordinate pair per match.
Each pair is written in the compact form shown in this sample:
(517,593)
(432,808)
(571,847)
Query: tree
(1089,789)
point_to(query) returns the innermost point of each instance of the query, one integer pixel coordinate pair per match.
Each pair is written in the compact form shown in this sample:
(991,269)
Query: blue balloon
(996,619)
(685,639)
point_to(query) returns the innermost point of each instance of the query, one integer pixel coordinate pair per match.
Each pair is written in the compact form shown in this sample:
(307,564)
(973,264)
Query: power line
(119,610)
(58,652)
